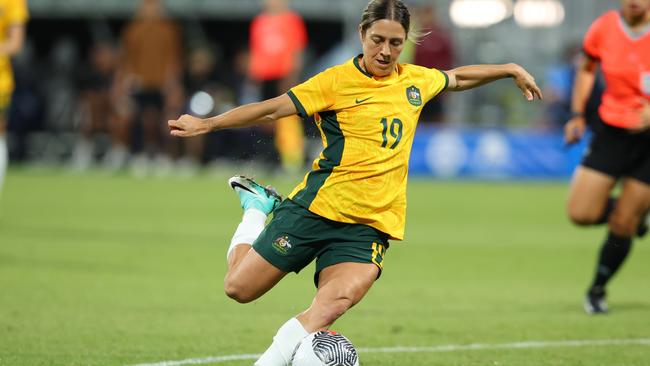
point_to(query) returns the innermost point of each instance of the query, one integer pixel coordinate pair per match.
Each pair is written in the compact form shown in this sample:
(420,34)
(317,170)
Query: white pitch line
(517,345)
(199,361)
(431,349)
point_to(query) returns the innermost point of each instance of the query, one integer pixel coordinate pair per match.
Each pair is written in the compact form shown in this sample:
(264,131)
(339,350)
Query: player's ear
(361,34)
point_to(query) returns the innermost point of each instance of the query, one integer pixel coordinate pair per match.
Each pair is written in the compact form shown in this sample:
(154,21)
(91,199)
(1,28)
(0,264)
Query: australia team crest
(282,245)
(413,95)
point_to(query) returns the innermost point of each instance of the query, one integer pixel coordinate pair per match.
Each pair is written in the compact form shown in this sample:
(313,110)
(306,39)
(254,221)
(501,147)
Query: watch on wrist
(577,114)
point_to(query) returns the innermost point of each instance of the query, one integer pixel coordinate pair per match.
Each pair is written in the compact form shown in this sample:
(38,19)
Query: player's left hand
(526,83)
(186,126)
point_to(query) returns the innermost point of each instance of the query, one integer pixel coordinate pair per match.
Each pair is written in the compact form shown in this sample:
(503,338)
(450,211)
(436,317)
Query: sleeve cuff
(301,110)
(446,80)
(592,57)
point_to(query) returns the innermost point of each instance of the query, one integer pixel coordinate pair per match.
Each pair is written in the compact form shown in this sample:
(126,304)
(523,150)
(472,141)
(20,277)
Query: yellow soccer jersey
(367,126)
(11,12)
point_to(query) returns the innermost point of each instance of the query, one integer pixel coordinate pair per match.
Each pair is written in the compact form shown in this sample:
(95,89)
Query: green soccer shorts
(295,236)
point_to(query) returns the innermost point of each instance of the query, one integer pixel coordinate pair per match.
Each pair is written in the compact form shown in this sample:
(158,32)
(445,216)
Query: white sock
(4,160)
(284,343)
(252,224)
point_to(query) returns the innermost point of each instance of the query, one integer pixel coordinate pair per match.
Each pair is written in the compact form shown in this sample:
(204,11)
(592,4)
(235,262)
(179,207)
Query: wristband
(577,114)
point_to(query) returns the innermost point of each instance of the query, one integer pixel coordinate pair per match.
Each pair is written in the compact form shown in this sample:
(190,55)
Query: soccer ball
(325,348)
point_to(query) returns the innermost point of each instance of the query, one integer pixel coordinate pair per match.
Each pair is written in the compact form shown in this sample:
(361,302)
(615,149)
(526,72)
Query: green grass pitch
(99,270)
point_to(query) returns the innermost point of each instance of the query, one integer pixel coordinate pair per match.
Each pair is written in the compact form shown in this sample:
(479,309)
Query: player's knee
(238,292)
(623,224)
(581,216)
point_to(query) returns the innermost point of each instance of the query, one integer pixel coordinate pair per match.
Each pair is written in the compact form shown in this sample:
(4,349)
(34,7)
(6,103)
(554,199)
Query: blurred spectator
(213,90)
(206,93)
(13,16)
(434,50)
(558,88)
(60,87)
(234,146)
(27,110)
(279,34)
(150,73)
(96,110)
(245,89)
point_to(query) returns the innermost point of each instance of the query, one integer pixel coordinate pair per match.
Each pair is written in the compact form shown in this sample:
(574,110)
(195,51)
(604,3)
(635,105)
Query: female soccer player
(620,43)
(354,199)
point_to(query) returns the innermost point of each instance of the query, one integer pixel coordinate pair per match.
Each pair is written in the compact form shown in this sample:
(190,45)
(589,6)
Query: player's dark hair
(385,9)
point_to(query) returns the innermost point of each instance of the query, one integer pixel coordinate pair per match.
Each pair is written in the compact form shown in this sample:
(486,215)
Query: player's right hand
(186,126)
(526,83)
(574,129)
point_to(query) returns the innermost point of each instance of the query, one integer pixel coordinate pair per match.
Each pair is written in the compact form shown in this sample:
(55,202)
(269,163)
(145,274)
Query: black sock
(609,207)
(612,255)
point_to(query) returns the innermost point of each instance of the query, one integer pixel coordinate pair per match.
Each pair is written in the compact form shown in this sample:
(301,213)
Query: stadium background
(116,268)
(44,122)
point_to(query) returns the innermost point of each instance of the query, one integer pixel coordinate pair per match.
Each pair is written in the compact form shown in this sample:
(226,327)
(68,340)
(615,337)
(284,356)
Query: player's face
(382,44)
(635,8)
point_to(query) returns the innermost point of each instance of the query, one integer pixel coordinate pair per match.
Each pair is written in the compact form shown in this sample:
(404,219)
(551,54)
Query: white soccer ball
(325,348)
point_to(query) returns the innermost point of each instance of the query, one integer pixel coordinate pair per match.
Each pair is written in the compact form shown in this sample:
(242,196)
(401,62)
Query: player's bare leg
(631,207)
(588,196)
(340,287)
(633,203)
(249,275)
(589,203)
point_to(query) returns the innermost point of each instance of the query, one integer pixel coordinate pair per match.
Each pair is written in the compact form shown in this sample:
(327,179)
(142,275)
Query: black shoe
(595,301)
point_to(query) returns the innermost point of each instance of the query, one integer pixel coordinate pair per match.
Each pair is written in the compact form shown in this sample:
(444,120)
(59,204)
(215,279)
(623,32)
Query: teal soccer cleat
(253,195)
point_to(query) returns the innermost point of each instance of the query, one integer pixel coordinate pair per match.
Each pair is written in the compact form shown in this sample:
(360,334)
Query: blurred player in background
(558,90)
(354,199)
(96,105)
(13,17)
(618,41)
(201,93)
(151,74)
(436,50)
(277,39)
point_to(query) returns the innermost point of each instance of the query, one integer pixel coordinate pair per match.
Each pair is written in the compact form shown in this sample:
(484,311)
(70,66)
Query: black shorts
(619,153)
(295,236)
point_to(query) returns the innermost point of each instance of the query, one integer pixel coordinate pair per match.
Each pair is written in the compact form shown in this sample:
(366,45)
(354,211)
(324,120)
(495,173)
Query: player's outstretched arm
(584,82)
(468,77)
(244,116)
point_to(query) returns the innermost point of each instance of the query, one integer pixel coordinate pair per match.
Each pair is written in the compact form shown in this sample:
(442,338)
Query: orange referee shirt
(274,41)
(625,62)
